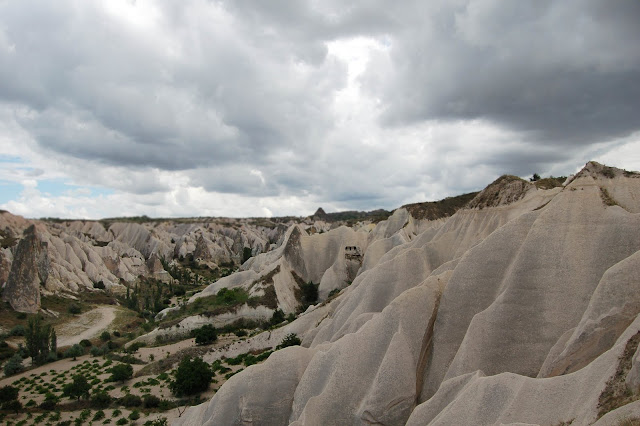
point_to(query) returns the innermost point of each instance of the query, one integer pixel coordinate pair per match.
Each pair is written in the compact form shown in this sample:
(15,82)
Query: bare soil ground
(86,326)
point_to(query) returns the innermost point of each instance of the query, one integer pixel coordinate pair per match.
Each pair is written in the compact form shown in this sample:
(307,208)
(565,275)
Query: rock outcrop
(29,272)
(515,310)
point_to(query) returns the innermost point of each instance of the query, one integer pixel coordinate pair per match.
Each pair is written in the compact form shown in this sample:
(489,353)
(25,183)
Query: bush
(290,339)
(18,330)
(13,366)
(99,285)
(150,401)
(334,292)
(130,400)
(101,399)
(205,334)
(50,401)
(122,421)
(15,406)
(162,421)
(99,415)
(121,372)
(277,317)
(8,393)
(74,352)
(74,309)
(96,351)
(135,415)
(192,376)
(309,293)
(105,336)
(86,343)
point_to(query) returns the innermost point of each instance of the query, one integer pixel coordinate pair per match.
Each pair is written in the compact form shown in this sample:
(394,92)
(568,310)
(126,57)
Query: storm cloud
(246,107)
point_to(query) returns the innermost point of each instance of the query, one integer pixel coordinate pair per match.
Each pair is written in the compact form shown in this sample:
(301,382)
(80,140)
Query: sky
(251,108)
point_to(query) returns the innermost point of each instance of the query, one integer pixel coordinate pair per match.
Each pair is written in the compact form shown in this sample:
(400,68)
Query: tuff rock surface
(29,272)
(514,310)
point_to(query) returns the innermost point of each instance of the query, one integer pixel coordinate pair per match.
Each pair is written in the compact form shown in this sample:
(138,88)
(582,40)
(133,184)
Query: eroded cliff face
(514,310)
(29,272)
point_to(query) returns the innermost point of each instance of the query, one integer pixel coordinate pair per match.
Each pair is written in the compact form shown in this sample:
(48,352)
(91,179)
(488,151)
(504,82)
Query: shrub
(100,285)
(246,254)
(13,366)
(162,421)
(50,401)
(101,399)
(309,293)
(74,309)
(334,292)
(96,351)
(99,415)
(150,401)
(8,393)
(192,376)
(18,330)
(277,317)
(205,334)
(131,400)
(74,352)
(121,372)
(105,336)
(290,339)
(135,415)
(15,406)
(122,421)
(86,343)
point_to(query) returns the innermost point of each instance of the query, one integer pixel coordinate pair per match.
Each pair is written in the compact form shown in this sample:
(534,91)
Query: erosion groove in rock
(513,310)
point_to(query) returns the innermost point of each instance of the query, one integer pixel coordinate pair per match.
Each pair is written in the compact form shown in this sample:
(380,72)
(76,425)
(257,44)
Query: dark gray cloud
(559,72)
(248,97)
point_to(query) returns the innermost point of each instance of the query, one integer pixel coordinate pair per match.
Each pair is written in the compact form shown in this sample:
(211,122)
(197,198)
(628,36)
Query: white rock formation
(515,311)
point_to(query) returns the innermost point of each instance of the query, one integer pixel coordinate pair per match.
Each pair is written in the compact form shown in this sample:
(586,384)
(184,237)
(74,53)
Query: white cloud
(246,108)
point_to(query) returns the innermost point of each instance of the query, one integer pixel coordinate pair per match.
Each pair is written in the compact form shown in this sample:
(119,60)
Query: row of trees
(40,340)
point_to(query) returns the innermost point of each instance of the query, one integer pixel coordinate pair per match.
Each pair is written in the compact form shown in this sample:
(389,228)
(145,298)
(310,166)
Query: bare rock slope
(515,310)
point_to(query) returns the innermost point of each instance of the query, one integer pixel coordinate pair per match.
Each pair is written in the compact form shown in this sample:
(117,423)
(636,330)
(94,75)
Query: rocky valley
(515,305)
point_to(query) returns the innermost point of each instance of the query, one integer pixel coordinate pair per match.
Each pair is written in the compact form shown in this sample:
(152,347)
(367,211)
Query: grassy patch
(607,198)
(616,394)
(438,209)
(550,182)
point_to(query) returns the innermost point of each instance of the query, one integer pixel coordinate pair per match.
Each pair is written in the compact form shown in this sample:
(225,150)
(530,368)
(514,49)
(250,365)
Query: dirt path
(86,326)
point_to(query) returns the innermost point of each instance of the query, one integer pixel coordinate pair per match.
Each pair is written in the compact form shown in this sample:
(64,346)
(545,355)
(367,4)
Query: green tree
(8,393)
(246,254)
(15,406)
(277,317)
(290,339)
(205,334)
(40,339)
(105,336)
(78,388)
(121,372)
(192,376)
(74,351)
(309,294)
